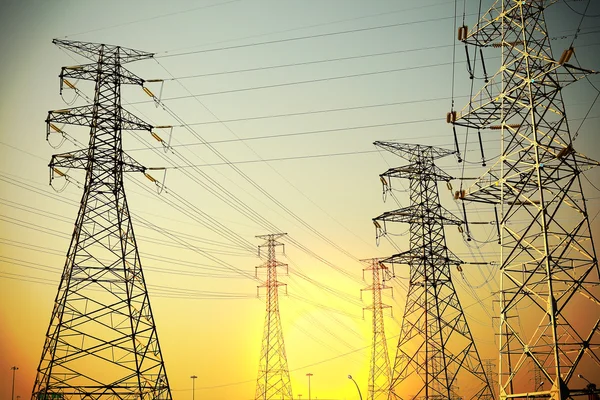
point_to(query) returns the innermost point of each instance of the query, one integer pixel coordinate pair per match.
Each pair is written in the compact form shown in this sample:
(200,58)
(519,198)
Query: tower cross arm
(414,255)
(417,213)
(86,116)
(79,160)
(89,72)
(418,171)
(92,51)
(411,152)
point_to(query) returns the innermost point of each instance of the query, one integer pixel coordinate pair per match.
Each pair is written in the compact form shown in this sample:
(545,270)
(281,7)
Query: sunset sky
(292,93)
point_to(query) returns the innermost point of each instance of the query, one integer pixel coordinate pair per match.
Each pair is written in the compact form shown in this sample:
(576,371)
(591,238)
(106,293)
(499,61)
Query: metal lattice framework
(101,342)
(549,268)
(435,347)
(379,371)
(273,381)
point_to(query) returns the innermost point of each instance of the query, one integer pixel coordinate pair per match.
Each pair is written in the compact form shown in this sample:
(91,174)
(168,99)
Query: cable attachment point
(379,231)
(386,188)
(160,185)
(157,100)
(167,144)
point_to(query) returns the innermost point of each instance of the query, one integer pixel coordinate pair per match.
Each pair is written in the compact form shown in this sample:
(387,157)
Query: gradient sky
(404,96)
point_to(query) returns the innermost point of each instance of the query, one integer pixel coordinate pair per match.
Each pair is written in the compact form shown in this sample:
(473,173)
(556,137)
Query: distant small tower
(273,381)
(379,371)
(435,347)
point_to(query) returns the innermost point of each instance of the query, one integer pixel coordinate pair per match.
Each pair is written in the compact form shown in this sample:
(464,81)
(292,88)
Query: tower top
(92,51)
(412,151)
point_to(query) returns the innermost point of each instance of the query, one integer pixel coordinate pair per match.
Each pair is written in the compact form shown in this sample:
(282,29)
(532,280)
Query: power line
(372,28)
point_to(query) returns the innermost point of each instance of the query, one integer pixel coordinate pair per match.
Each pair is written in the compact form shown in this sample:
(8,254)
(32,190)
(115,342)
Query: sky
(291,95)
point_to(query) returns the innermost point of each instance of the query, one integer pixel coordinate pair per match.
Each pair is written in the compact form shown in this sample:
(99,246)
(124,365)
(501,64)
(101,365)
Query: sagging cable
(160,186)
(157,100)
(166,145)
(50,127)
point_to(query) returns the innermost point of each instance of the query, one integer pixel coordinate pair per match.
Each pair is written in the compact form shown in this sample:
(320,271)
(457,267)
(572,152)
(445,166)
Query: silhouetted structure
(549,267)
(435,347)
(273,381)
(101,342)
(379,370)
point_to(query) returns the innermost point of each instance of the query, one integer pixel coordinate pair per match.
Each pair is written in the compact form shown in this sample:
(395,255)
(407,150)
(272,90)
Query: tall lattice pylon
(273,375)
(435,347)
(379,371)
(101,342)
(549,268)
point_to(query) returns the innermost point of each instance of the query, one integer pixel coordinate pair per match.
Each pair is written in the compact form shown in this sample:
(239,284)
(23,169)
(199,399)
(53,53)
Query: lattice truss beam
(101,342)
(273,382)
(549,296)
(379,366)
(435,349)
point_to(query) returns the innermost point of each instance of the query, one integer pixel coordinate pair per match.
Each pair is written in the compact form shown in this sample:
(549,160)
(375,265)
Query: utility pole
(309,375)
(549,265)
(193,386)
(379,371)
(273,375)
(435,347)
(14,370)
(101,342)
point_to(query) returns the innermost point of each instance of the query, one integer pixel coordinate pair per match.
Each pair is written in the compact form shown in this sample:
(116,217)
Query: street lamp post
(357,388)
(14,369)
(193,386)
(309,375)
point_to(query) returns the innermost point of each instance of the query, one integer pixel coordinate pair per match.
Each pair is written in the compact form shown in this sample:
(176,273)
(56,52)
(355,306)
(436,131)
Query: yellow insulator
(155,136)
(55,128)
(383,181)
(148,92)
(376,224)
(451,117)
(58,172)
(69,84)
(566,55)
(460,229)
(459,268)
(462,33)
(150,178)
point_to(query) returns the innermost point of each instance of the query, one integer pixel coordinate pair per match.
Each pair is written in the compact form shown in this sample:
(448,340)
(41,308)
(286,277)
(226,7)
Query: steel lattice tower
(273,375)
(549,268)
(435,347)
(101,342)
(379,371)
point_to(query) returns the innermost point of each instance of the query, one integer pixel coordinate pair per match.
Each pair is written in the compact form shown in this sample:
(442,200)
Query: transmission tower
(101,342)
(549,268)
(435,347)
(273,375)
(379,372)
(488,366)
